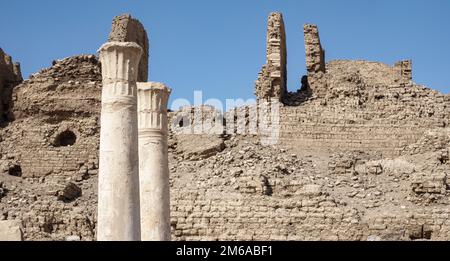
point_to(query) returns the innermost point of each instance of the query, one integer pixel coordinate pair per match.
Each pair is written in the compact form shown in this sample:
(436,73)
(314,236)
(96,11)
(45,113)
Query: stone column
(118,181)
(153,163)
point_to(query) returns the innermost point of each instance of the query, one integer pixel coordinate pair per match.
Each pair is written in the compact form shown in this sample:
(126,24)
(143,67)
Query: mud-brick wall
(41,154)
(209,215)
(366,130)
(426,223)
(214,215)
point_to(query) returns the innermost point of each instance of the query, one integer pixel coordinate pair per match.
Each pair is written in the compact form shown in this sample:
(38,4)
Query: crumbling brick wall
(52,143)
(230,187)
(249,192)
(56,127)
(366,107)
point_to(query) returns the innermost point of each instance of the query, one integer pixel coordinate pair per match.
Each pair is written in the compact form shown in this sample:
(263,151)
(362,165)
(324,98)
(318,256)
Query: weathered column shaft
(118,181)
(153,164)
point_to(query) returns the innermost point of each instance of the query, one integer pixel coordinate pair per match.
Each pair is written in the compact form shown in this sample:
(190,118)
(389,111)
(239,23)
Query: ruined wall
(10,76)
(329,179)
(367,107)
(362,105)
(49,153)
(201,215)
(56,125)
(315,60)
(271,82)
(249,192)
(231,187)
(127,29)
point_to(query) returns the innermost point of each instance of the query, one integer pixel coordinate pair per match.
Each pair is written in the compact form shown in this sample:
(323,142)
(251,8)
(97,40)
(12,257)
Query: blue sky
(219,46)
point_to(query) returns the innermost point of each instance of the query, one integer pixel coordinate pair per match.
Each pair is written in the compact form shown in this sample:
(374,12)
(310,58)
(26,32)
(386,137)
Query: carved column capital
(152,107)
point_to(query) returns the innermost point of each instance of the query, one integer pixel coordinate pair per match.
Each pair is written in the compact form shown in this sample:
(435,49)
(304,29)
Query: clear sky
(219,46)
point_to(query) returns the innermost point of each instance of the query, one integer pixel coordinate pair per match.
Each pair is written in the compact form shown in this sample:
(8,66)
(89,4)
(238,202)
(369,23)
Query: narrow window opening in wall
(15,171)
(65,138)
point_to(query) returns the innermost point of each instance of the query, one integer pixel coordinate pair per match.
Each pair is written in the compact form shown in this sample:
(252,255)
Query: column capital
(120,61)
(152,107)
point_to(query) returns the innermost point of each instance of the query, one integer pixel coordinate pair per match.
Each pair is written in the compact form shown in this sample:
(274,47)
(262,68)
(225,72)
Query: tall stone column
(118,181)
(153,164)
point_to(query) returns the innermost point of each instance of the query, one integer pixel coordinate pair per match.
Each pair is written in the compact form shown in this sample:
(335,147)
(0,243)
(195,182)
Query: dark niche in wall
(64,139)
(15,170)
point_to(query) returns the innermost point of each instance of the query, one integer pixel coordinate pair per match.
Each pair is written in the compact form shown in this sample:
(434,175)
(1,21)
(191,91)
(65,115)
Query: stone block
(10,230)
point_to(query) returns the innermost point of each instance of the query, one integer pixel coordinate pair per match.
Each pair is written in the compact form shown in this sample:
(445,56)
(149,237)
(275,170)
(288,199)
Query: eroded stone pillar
(271,82)
(315,60)
(118,181)
(153,165)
